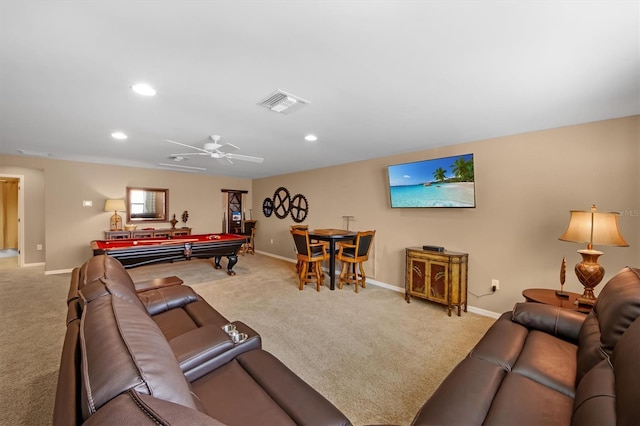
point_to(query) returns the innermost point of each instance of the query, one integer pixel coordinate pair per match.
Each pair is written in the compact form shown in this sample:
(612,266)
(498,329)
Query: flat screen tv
(439,182)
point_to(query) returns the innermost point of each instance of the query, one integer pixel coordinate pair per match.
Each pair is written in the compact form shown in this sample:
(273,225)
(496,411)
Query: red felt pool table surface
(142,251)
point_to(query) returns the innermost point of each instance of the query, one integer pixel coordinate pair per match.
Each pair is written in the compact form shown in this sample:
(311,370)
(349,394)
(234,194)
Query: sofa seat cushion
(180,320)
(301,402)
(256,388)
(502,343)
(203,314)
(522,401)
(232,396)
(510,375)
(465,395)
(174,323)
(549,361)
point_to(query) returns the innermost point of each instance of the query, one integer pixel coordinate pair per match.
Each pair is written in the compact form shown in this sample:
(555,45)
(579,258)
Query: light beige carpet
(374,356)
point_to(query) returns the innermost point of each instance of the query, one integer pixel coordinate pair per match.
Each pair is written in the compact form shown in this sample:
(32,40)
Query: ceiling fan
(216,150)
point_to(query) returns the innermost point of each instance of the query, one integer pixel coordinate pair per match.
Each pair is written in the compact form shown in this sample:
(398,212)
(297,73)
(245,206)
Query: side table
(549,297)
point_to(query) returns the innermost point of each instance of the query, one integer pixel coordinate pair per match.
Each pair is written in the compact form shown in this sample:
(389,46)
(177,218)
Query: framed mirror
(147,205)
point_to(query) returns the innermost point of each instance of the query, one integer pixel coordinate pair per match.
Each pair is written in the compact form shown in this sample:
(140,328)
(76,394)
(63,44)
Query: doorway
(10,225)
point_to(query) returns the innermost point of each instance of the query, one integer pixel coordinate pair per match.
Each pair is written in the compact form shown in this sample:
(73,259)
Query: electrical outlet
(271,240)
(39,247)
(495,284)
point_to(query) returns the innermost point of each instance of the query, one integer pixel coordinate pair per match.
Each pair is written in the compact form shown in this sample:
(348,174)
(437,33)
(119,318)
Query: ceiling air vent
(283,102)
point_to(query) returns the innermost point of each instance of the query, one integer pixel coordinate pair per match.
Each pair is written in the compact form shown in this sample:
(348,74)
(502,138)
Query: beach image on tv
(440,182)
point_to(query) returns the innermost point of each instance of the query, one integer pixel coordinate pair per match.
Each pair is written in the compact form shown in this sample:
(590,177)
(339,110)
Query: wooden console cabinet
(146,233)
(437,276)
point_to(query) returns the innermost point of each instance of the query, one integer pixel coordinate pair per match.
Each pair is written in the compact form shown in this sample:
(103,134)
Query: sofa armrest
(162,299)
(157,283)
(200,345)
(559,322)
(203,350)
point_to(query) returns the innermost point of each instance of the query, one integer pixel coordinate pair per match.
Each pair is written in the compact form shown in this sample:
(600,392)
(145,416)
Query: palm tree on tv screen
(463,170)
(439,174)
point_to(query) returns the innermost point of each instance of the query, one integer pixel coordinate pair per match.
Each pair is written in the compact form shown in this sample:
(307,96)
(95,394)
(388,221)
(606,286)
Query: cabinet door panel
(438,279)
(418,277)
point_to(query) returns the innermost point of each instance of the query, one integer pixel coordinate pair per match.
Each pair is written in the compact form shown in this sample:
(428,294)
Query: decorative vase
(173,221)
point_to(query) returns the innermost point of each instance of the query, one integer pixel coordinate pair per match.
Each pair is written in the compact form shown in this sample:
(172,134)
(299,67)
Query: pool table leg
(233,259)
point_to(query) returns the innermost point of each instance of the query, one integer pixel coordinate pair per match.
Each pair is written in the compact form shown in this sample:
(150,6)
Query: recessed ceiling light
(311,138)
(143,89)
(118,135)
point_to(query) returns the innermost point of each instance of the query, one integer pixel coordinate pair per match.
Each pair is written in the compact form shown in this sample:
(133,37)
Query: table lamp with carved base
(115,206)
(592,227)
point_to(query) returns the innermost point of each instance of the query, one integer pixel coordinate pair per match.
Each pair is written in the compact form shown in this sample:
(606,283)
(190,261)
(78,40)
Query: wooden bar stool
(248,247)
(352,255)
(291,228)
(310,258)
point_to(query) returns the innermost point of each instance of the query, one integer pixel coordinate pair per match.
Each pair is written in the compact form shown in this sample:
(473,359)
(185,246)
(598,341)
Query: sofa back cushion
(625,362)
(617,306)
(102,267)
(122,348)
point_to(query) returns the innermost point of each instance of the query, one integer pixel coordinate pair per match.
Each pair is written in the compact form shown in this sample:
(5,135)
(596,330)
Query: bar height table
(332,235)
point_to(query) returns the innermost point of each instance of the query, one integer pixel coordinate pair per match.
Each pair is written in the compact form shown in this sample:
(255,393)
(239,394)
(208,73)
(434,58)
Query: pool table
(143,251)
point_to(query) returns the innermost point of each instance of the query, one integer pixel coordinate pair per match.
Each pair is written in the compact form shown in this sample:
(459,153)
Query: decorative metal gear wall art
(282,205)
(281,202)
(299,208)
(267,207)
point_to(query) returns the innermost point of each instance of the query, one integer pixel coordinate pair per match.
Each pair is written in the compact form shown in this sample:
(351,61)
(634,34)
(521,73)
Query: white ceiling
(383,77)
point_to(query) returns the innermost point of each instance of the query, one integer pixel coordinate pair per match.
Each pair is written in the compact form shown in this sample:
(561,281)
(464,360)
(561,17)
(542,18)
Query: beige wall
(525,186)
(69,227)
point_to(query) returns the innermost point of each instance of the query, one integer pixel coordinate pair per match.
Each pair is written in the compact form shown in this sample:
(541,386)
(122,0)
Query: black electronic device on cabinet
(439,249)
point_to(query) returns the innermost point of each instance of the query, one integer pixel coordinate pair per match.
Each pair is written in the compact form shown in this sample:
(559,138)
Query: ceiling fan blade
(189,153)
(228,147)
(188,146)
(245,158)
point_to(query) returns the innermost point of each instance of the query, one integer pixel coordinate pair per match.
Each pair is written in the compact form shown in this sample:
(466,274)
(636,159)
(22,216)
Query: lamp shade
(594,228)
(114,206)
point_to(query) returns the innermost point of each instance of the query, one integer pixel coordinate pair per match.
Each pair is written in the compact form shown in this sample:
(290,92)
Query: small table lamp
(115,206)
(592,228)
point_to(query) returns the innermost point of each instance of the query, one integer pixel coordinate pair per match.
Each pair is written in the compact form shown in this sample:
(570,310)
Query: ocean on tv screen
(456,194)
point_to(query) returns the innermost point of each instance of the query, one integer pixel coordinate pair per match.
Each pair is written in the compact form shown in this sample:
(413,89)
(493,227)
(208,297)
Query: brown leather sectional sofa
(542,365)
(155,353)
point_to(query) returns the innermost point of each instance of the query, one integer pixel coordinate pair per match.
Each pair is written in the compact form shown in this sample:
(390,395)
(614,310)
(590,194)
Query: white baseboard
(286,259)
(59,271)
(473,309)
(31,265)
(385,285)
